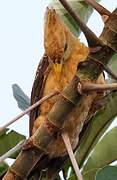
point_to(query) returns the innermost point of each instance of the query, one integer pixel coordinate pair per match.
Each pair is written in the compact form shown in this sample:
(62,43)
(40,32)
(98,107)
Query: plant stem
(28,110)
(89,87)
(68,146)
(104,67)
(90,36)
(101,10)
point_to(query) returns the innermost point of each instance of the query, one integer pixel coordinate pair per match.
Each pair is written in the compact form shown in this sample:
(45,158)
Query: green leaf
(96,128)
(22,99)
(80,7)
(9,139)
(107,173)
(113,63)
(104,153)
(72,177)
(113,66)
(67,169)
(3,167)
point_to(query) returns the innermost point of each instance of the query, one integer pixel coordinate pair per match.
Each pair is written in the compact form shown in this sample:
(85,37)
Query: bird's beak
(58,69)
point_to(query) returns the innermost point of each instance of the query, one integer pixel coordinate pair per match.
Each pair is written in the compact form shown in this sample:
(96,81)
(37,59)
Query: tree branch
(90,36)
(105,68)
(89,87)
(71,155)
(109,34)
(28,110)
(101,10)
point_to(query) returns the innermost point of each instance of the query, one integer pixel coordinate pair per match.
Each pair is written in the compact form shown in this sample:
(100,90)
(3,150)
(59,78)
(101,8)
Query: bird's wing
(37,89)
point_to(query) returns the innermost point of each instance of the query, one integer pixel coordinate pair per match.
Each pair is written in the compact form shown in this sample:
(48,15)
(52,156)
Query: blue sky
(21,47)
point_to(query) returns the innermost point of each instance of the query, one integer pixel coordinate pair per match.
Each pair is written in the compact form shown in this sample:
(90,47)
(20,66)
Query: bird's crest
(55,36)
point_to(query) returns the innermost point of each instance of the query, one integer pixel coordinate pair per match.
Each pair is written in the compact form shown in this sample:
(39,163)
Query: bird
(63,53)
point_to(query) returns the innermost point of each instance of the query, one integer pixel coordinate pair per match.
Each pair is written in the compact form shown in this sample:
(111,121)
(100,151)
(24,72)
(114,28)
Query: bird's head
(56,40)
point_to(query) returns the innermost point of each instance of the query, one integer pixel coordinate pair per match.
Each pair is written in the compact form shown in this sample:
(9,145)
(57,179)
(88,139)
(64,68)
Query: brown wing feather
(37,89)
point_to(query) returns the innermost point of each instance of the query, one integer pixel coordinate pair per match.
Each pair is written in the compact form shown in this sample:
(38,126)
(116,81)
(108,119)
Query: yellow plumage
(56,35)
(65,52)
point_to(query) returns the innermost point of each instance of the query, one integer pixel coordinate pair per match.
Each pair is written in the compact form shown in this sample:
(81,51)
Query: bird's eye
(65,47)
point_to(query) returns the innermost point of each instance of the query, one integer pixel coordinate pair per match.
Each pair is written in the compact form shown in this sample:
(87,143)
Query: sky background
(21,47)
